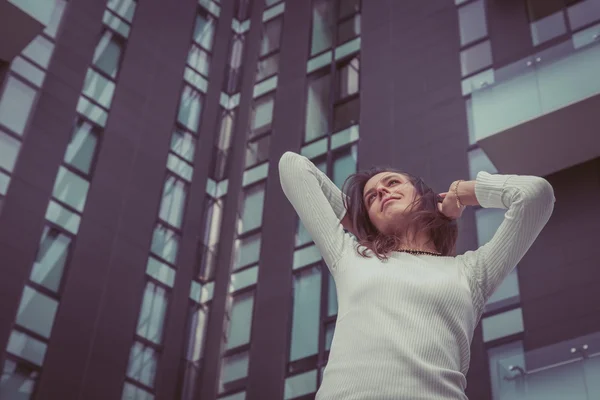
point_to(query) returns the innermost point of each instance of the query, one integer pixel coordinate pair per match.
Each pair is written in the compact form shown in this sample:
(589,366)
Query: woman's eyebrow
(384,180)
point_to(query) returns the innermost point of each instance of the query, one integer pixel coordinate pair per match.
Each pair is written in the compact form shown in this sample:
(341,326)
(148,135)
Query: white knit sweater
(404,326)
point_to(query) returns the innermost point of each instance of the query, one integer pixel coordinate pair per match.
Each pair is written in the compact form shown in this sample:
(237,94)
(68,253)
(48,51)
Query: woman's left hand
(449,206)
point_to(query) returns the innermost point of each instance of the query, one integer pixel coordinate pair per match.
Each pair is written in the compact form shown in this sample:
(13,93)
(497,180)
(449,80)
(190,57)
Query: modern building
(147,250)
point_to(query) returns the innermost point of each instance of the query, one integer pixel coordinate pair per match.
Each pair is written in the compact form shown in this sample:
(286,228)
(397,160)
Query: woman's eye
(394,180)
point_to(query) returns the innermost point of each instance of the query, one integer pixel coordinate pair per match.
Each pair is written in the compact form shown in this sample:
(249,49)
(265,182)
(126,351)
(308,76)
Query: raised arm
(318,203)
(530,201)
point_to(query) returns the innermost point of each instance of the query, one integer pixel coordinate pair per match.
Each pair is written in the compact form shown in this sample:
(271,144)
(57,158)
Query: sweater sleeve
(319,204)
(529,201)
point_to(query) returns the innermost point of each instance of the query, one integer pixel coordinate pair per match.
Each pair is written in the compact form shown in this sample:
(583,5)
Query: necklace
(420,252)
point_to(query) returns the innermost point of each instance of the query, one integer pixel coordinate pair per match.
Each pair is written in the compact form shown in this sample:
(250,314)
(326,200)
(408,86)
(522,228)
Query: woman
(407,306)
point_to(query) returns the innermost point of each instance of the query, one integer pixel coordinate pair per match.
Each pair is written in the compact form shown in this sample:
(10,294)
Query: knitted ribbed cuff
(489,189)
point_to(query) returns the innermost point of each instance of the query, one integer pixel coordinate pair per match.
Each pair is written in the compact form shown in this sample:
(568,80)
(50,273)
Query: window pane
(226,129)
(108,53)
(539,9)
(233,368)
(183,144)
(300,384)
(472,22)
(39,50)
(55,19)
(348,29)
(179,167)
(257,151)
(212,227)
(242,9)
(18,380)
(62,217)
(267,67)
(583,13)
(9,150)
(252,208)
(501,325)
(243,279)
(306,256)
(501,358)
(198,320)
(116,23)
(4,182)
(548,28)
(199,60)
(15,104)
(142,364)
(329,331)
(506,293)
(344,165)
(332,303)
(98,88)
(165,243)
(346,114)
(51,258)
(271,36)
(479,161)
(132,392)
(70,189)
(81,149)
(125,8)
(204,30)
(240,321)
(36,312)
(322,26)
(348,79)
(237,396)
(189,108)
(160,271)
(234,72)
(306,318)
(152,313)
(247,250)
(173,201)
(317,108)
(28,70)
(302,235)
(348,7)
(488,221)
(262,115)
(475,58)
(26,347)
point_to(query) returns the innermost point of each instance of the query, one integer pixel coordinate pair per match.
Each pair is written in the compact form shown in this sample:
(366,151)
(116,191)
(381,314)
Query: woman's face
(386,197)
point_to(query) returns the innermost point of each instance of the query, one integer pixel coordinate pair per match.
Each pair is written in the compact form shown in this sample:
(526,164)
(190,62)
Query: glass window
(267,67)
(539,9)
(322,26)
(82,147)
(583,13)
(28,70)
(55,18)
(475,58)
(51,258)
(262,115)
(173,201)
(36,312)
(346,114)
(179,167)
(548,28)
(199,60)
(472,22)
(204,30)
(232,83)
(348,7)
(70,189)
(247,250)
(132,392)
(152,314)
(18,380)
(243,279)
(302,235)
(26,347)
(116,24)
(165,243)
(306,316)
(39,50)
(9,150)
(488,221)
(503,324)
(479,161)
(62,217)
(236,396)
(301,384)
(348,78)
(189,108)
(317,107)
(198,320)
(257,151)
(92,111)
(329,331)
(306,256)
(271,36)
(142,364)
(233,368)
(269,3)
(332,303)
(125,8)
(240,321)
(98,88)
(183,144)
(15,104)
(4,182)
(506,293)
(500,359)
(344,165)
(348,29)
(108,53)
(160,271)
(212,227)
(252,208)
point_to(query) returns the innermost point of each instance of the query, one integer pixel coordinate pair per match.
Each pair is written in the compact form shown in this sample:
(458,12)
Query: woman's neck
(420,241)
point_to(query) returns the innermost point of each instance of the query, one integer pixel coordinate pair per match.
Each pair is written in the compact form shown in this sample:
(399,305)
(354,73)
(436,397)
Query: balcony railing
(537,85)
(569,370)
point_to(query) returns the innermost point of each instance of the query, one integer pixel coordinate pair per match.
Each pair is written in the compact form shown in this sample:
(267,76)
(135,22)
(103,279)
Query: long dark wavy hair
(422,215)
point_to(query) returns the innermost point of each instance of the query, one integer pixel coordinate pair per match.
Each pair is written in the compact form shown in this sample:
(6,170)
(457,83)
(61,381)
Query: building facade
(147,249)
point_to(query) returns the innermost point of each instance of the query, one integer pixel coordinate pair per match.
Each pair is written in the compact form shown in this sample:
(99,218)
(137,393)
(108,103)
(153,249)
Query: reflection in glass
(70,188)
(51,259)
(472,22)
(196,334)
(348,29)
(9,150)
(152,314)
(165,243)
(199,60)
(98,88)
(204,30)
(301,384)
(15,104)
(18,380)
(81,149)
(240,321)
(475,58)
(346,114)
(24,346)
(142,364)
(247,250)
(233,367)
(322,26)
(257,151)
(183,144)
(108,53)
(267,67)
(271,36)
(252,208)
(306,317)
(189,108)
(317,107)
(173,201)
(36,312)
(262,115)
(132,392)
